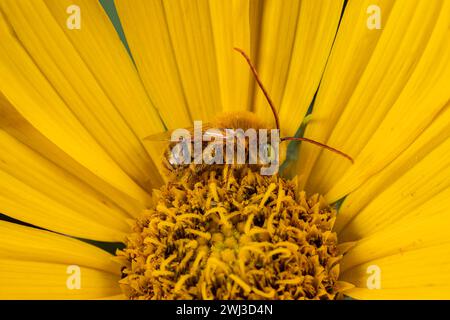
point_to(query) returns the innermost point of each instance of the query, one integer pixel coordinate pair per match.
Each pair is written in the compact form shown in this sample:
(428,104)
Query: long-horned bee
(227,226)
(236,139)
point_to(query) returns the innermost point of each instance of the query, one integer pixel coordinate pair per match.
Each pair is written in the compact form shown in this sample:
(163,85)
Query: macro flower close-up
(94,205)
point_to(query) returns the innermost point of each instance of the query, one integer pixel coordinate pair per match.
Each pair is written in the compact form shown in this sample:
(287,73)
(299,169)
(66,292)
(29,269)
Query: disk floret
(232,234)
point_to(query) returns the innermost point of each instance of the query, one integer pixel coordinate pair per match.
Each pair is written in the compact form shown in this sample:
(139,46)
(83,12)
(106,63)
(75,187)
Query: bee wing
(166,136)
(217,134)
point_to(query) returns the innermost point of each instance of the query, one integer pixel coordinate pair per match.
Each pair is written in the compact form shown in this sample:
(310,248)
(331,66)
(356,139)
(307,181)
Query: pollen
(233,234)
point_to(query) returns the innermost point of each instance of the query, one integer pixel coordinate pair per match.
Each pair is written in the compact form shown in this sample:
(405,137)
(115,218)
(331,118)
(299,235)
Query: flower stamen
(233,234)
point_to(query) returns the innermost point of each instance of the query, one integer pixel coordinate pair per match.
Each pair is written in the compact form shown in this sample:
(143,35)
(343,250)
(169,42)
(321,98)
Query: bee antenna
(320,145)
(275,114)
(258,80)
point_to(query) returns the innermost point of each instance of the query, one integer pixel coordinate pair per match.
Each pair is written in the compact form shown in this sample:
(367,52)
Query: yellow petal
(433,136)
(145,26)
(314,35)
(424,269)
(425,185)
(22,202)
(100,48)
(427,226)
(231,28)
(420,293)
(115,297)
(277,28)
(352,49)
(34,113)
(29,244)
(37,191)
(190,28)
(78,84)
(424,95)
(40,280)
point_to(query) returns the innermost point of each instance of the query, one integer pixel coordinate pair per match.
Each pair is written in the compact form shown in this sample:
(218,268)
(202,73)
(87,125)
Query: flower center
(232,234)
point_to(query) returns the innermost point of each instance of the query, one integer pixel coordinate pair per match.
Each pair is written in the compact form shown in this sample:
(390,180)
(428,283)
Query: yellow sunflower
(76,105)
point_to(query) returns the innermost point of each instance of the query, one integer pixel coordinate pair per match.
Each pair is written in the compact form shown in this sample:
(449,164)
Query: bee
(181,161)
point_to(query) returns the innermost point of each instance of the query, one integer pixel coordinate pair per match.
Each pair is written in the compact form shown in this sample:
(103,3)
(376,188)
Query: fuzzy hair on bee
(188,164)
(226,126)
(193,241)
